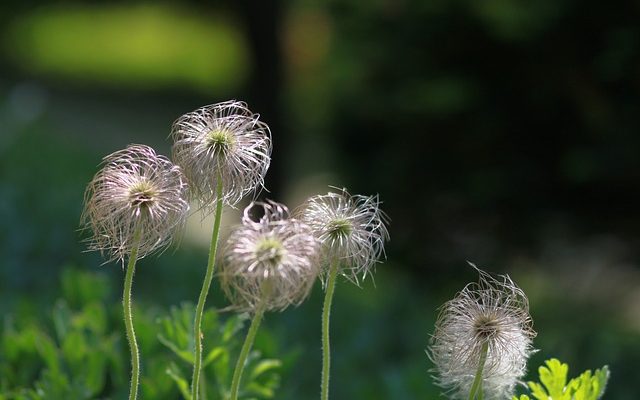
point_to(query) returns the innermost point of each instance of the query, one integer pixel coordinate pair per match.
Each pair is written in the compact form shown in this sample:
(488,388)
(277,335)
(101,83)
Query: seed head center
(339,228)
(220,141)
(269,251)
(142,195)
(486,326)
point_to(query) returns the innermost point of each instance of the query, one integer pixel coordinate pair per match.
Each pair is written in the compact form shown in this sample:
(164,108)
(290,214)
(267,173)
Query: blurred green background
(503,132)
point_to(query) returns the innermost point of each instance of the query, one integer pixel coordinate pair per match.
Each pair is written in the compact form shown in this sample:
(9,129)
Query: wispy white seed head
(270,260)
(222,141)
(493,311)
(136,188)
(352,230)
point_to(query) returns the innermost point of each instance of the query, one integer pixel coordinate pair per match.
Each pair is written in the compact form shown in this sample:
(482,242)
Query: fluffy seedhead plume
(223,141)
(495,312)
(136,189)
(271,260)
(352,230)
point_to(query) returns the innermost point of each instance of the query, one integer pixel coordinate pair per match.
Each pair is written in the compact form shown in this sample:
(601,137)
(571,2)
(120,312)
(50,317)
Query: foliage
(554,384)
(73,363)
(80,352)
(222,339)
(48,40)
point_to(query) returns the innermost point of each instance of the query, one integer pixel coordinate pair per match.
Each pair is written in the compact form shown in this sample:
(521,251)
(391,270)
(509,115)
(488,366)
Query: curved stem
(476,387)
(326,313)
(213,249)
(128,317)
(244,353)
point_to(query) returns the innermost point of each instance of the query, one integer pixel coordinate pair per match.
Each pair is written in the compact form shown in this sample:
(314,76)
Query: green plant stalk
(326,313)
(128,317)
(476,387)
(244,352)
(197,323)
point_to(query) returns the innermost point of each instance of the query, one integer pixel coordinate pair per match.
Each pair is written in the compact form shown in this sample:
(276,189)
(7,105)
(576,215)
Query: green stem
(326,312)
(476,387)
(128,317)
(244,353)
(197,324)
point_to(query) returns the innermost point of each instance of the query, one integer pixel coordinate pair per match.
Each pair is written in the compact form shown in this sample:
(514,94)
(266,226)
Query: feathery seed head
(136,188)
(270,260)
(494,312)
(351,228)
(222,141)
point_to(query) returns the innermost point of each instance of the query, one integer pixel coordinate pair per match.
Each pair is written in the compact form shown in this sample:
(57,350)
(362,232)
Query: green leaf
(222,341)
(555,387)
(74,347)
(554,378)
(601,377)
(222,369)
(95,371)
(213,356)
(177,331)
(183,385)
(61,319)
(588,387)
(538,391)
(183,354)
(94,318)
(233,326)
(48,351)
(261,390)
(263,366)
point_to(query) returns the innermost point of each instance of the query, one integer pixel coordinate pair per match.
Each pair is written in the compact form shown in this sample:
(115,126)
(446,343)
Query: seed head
(493,312)
(135,189)
(351,228)
(222,141)
(270,260)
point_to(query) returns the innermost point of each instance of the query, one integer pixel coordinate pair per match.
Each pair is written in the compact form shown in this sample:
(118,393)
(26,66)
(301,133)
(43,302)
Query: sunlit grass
(139,45)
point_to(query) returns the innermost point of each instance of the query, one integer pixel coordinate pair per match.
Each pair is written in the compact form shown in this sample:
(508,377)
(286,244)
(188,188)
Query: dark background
(502,132)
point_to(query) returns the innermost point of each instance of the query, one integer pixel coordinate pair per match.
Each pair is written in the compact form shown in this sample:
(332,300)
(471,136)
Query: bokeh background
(502,132)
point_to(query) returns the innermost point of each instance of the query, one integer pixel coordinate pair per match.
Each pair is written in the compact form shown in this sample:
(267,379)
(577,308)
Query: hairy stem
(326,313)
(128,317)
(244,353)
(476,387)
(197,323)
